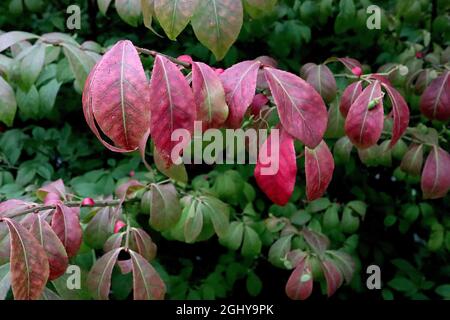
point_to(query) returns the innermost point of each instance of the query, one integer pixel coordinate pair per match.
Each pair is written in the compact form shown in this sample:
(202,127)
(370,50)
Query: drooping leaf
(129,11)
(66,224)
(147,284)
(56,253)
(317,241)
(301,109)
(99,278)
(209,96)
(174,15)
(128,189)
(300,283)
(217,24)
(172,106)
(56,187)
(413,160)
(165,206)
(194,223)
(319,167)
(435,181)
(251,245)
(335,126)
(349,96)
(239,83)
(5,248)
(349,63)
(103,5)
(322,79)
(342,150)
(144,244)
(99,228)
(5,280)
(29,263)
(116,98)
(80,63)
(364,125)
(8,104)
(218,212)
(435,101)
(31,65)
(176,172)
(279,250)
(332,275)
(9,38)
(400,113)
(148,10)
(276,169)
(345,264)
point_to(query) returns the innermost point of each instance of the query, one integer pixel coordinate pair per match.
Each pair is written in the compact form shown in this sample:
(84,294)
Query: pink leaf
(209,96)
(66,224)
(11,207)
(412,161)
(400,112)
(99,278)
(350,63)
(56,187)
(317,241)
(301,109)
(300,283)
(239,82)
(435,181)
(172,105)
(363,126)
(349,96)
(147,284)
(435,101)
(319,167)
(322,79)
(277,177)
(332,275)
(115,98)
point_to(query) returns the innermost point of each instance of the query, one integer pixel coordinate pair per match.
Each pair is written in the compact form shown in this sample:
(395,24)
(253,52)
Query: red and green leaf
(322,79)
(99,278)
(300,283)
(400,114)
(174,15)
(435,101)
(435,180)
(147,284)
(412,161)
(332,275)
(66,224)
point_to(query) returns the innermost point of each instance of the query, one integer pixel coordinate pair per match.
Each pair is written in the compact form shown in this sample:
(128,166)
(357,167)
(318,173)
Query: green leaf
(358,206)
(318,205)
(403,284)
(165,206)
(279,250)
(9,38)
(47,95)
(103,5)
(259,8)
(8,104)
(331,217)
(218,212)
(129,11)
(28,103)
(80,63)
(335,127)
(253,284)
(444,291)
(25,174)
(174,15)
(5,280)
(194,223)
(217,24)
(32,64)
(251,246)
(235,233)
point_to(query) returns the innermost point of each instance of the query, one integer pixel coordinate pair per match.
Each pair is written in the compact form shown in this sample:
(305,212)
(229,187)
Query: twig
(154,53)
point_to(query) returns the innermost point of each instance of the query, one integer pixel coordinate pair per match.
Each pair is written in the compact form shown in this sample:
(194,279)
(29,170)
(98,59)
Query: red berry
(52,198)
(88,202)
(132,173)
(419,55)
(357,71)
(119,225)
(185,58)
(219,71)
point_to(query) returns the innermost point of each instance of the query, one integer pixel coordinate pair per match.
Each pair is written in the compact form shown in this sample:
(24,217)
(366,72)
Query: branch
(71,204)
(154,53)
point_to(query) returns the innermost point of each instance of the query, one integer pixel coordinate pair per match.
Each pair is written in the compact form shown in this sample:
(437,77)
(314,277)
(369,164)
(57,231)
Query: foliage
(362,137)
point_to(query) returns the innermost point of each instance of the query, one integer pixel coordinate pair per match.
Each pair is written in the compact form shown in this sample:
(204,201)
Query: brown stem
(154,53)
(72,204)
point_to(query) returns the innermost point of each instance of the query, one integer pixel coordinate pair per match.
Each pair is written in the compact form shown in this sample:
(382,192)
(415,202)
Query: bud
(119,225)
(185,58)
(357,71)
(89,202)
(219,71)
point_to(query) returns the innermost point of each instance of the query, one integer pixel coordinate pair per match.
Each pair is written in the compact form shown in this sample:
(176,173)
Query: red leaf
(350,63)
(172,105)
(319,167)
(66,224)
(322,79)
(115,98)
(435,181)
(349,96)
(301,109)
(11,207)
(435,101)
(277,177)
(143,244)
(147,284)
(384,80)
(99,278)
(56,253)
(413,160)
(29,264)
(300,283)
(332,275)
(128,188)
(400,112)
(239,82)
(317,241)
(209,96)
(363,125)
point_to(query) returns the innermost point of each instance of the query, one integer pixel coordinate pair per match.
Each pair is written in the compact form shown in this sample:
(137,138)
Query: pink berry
(419,55)
(132,173)
(88,202)
(219,71)
(185,58)
(357,71)
(119,225)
